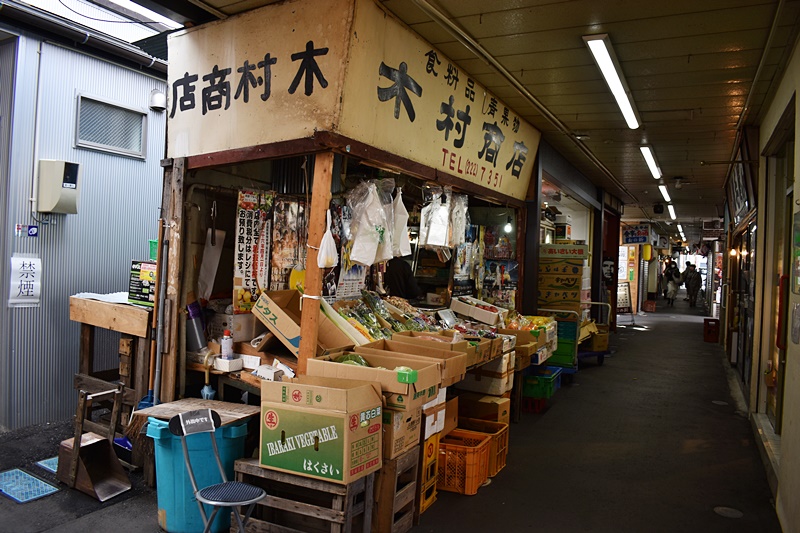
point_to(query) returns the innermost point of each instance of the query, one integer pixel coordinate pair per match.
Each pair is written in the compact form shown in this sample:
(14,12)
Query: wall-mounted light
(507,228)
(650,159)
(600,47)
(732,252)
(664,193)
(157,101)
(745,253)
(671,211)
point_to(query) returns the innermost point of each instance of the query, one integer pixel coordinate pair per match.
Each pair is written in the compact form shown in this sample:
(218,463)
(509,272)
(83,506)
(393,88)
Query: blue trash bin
(177,508)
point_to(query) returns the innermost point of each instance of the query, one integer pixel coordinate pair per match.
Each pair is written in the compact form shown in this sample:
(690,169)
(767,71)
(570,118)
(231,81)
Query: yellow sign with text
(288,70)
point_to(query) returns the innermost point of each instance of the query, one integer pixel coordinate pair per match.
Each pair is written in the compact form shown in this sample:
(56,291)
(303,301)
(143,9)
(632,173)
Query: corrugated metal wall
(7,54)
(90,251)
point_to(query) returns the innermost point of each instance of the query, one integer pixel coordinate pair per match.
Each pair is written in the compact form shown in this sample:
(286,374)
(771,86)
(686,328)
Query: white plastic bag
(369,224)
(401,245)
(327,256)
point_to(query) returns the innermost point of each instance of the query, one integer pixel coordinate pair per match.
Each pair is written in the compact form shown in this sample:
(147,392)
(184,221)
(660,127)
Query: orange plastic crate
(463,461)
(498,431)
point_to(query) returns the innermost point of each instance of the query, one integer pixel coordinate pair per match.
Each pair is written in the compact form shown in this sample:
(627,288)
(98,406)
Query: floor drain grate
(728,512)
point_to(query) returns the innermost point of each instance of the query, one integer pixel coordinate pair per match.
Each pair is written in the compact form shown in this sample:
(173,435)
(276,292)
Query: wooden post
(174,233)
(320,203)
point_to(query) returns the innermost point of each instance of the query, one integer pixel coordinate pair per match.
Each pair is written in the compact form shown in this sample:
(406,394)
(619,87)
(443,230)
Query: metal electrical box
(59,187)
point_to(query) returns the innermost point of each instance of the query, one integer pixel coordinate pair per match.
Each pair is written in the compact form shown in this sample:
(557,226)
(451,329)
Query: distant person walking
(692,280)
(673,276)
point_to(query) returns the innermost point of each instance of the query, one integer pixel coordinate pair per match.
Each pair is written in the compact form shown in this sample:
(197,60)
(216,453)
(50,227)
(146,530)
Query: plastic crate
(565,347)
(498,448)
(427,495)
(429,456)
(567,330)
(463,461)
(542,383)
(177,507)
(562,360)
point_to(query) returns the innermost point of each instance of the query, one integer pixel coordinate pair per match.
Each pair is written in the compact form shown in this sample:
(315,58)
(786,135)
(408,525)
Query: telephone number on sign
(455,163)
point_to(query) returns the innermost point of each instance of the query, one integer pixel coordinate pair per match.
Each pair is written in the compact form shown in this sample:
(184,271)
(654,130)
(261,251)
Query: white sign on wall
(25,287)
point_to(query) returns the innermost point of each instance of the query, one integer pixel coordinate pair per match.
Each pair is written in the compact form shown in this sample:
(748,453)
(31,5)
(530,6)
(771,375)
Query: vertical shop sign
(253,239)
(25,288)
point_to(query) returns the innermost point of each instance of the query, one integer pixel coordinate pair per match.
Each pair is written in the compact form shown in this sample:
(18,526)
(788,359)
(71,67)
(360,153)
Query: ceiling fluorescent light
(680,228)
(606,59)
(665,193)
(671,211)
(650,158)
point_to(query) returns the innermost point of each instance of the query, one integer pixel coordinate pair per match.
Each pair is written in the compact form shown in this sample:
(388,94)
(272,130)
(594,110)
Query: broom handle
(153,318)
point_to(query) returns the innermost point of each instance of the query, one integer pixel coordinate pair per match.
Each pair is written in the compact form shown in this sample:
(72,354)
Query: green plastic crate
(541,386)
(567,361)
(565,348)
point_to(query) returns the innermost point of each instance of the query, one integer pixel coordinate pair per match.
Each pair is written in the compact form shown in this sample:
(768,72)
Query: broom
(147,401)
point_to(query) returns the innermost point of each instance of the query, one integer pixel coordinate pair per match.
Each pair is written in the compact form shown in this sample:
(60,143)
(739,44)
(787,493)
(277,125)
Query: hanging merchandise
(327,256)
(385,188)
(439,222)
(459,219)
(289,234)
(401,245)
(369,225)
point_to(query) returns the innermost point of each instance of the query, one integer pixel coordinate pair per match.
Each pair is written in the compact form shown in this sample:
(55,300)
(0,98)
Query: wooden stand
(395,493)
(297,504)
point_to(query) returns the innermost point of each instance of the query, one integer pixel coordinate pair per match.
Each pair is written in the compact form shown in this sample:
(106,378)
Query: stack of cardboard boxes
(565,282)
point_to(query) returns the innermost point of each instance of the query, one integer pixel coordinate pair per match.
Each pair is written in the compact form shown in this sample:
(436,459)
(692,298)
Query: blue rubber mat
(23,487)
(51,465)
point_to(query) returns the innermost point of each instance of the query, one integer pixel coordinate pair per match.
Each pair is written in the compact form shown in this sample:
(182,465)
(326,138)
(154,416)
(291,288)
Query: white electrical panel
(59,187)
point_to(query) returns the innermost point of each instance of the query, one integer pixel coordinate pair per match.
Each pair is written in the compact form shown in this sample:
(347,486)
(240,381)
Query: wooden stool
(395,493)
(298,504)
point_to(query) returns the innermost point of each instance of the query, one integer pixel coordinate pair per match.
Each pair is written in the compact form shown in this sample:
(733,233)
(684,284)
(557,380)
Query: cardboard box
(419,338)
(560,282)
(563,231)
(433,421)
(483,347)
(524,336)
(401,431)
(564,251)
(452,365)
(569,267)
(244,327)
(399,396)
(484,407)
(280,312)
(321,428)
(497,346)
(541,355)
(470,310)
(142,283)
(450,415)
(439,400)
(494,377)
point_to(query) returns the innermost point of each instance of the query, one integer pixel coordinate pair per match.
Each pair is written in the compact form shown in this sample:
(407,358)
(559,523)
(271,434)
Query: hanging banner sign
(26,281)
(289,70)
(636,234)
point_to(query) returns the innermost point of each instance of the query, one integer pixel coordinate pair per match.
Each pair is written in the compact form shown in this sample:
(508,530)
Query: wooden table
(133,323)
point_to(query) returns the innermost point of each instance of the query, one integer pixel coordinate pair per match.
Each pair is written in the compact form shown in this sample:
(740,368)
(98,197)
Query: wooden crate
(297,504)
(395,493)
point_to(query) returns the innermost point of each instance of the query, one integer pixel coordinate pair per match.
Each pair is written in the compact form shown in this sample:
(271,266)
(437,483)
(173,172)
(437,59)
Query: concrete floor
(640,444)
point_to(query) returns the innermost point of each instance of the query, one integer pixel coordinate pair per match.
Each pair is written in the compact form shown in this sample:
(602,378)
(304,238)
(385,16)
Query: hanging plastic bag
(368,226)
(401,245)
(439,221)
(459,219)
(327,256)
(384,189)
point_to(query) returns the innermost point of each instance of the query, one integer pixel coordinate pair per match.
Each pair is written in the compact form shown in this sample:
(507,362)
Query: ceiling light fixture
(650,159)
(600,47)
(664,193)
(507,228)
(680,228)
(671,211)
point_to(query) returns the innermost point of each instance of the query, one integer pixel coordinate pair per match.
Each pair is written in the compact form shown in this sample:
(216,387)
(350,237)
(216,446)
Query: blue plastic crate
(177,507)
